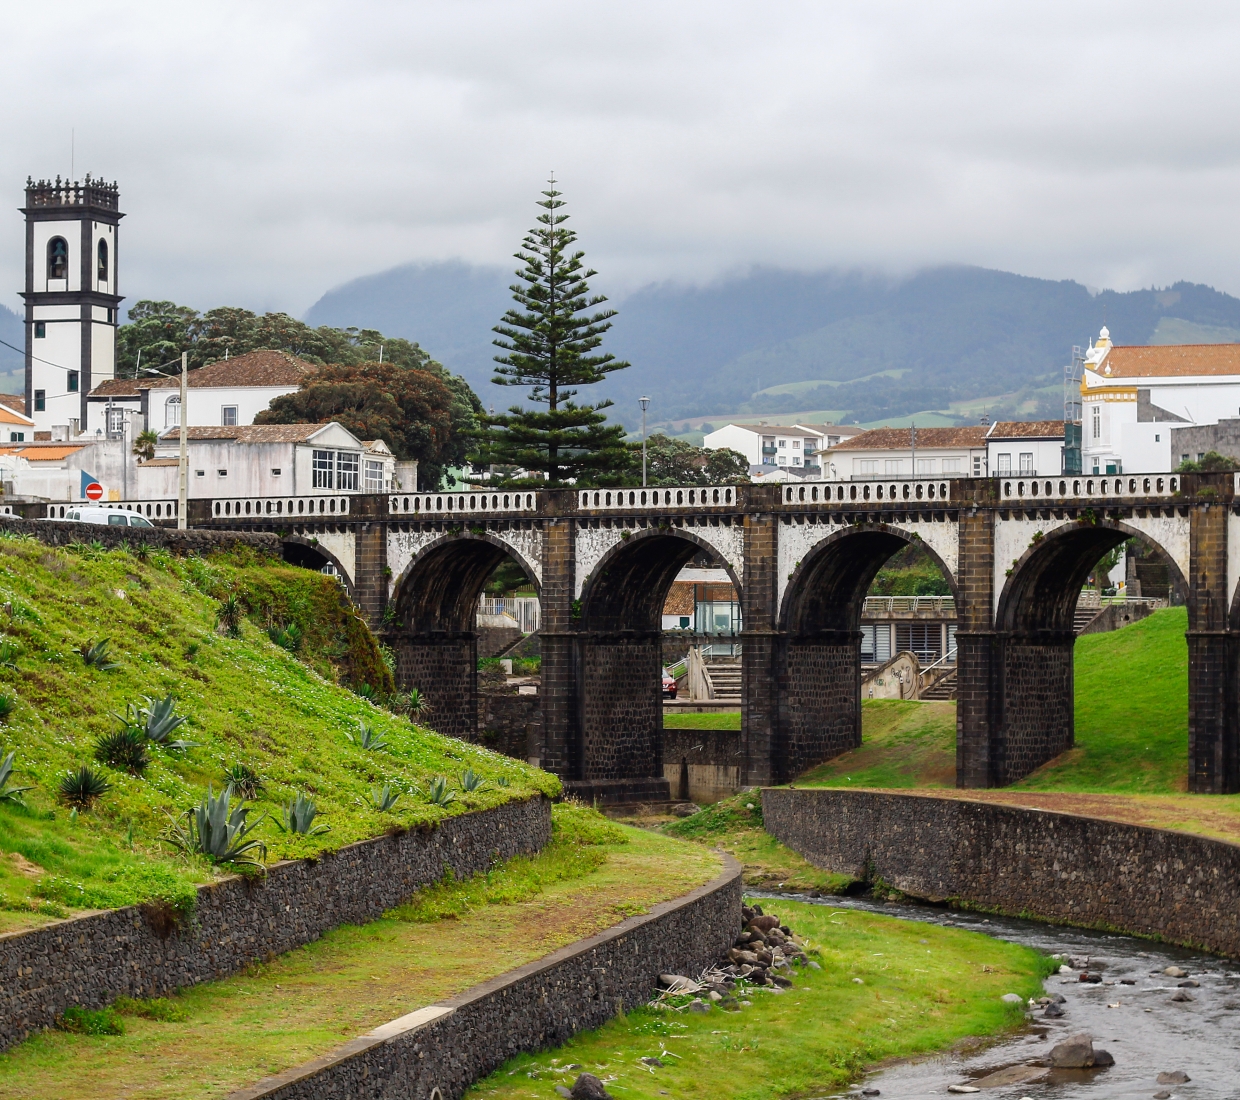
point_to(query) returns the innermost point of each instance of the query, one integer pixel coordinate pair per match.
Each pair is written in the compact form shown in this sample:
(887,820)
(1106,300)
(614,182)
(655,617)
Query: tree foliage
(420,414)
(551,342)
(674,462)
(1211,463)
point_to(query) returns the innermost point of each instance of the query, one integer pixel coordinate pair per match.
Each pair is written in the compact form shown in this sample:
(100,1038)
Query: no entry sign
(94,491)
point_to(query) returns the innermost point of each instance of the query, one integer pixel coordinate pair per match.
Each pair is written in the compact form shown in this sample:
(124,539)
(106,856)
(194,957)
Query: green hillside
(1131,723)
(286,716)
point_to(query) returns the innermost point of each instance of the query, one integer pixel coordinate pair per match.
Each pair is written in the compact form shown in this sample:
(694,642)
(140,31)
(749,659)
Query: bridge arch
(619,651)
(818,657)
(309,553)
(435,601)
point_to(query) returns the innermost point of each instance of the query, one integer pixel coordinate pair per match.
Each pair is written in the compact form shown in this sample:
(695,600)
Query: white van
(110,517)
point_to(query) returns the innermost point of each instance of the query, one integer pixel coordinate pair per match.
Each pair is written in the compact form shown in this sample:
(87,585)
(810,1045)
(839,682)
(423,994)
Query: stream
(1130,1013)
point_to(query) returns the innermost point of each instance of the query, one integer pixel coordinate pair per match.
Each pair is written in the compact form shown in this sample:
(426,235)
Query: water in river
(1130,1013)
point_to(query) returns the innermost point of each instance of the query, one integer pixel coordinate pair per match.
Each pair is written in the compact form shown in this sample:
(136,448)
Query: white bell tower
(71,298)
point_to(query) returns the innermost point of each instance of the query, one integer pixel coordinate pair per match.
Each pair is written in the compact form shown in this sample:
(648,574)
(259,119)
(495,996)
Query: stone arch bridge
(802,557)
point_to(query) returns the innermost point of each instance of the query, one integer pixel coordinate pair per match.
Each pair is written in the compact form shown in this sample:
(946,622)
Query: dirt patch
(23,866)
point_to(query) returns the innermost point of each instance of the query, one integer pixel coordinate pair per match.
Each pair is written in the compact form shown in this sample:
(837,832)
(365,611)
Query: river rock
(686,809)
(782,982)
(963,1088)
(814,966)
(1075,1052)
(651,1062)
(678,983)
(745,958)
(699,1006)
(1164,1095)
(1190,983)
(1175,1077)
(762,923)
(564,1092)
(1053,1011)
(1010,1075)
(1103,1058)
(589,1087)
(1181,997)
(1012,999)
(1175,972)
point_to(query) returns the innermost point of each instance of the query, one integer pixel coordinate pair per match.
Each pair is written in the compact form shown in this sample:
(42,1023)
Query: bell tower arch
(71,295)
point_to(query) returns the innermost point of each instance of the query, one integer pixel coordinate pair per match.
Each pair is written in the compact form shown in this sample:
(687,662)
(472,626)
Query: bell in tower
(72,299)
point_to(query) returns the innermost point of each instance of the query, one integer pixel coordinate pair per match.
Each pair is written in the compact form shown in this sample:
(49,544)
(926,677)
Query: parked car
(106,517)
(669,685)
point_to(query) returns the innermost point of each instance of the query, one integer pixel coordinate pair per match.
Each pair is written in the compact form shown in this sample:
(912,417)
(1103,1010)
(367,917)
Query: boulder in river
(1175,1077)
(1075,1052)
(1175,972)
(589,1087)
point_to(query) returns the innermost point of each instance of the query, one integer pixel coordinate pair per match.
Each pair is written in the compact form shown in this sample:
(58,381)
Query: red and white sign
(94,491)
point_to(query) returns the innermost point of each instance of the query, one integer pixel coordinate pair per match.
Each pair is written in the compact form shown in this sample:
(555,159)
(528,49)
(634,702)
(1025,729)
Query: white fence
(279,506)
(849,492)
(151,509)
(1089,488)
(523,610)
(437,504)
(876,607)
(624,500)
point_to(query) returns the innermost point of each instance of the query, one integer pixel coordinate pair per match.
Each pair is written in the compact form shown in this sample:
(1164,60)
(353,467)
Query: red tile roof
(901,439)
(1170,360)
(248,433)
(14,401)
(1026,429)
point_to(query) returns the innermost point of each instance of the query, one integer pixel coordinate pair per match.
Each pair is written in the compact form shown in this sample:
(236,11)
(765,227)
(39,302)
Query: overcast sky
(268,151)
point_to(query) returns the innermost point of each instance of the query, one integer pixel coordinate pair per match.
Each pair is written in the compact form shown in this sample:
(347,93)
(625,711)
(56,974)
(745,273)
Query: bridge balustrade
(262,507)
(150,509)
(848,492)
(432,504)
(1093,488)
(622,500)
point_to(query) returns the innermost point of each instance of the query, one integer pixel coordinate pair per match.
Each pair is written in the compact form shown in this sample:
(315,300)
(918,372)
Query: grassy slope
(1131,724)
(236,1031)
(248,701)
(922,989)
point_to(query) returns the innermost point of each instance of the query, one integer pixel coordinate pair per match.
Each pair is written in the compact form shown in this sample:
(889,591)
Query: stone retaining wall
(702,766)
(193,541)
(450,1045)
(91,960)
(1054,866)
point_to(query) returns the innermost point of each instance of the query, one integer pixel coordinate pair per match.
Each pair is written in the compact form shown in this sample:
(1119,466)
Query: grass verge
(719,720)
(221,1036)
(247,701)
(920,989)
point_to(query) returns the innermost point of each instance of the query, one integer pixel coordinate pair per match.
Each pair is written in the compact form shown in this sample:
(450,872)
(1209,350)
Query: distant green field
(1131,724)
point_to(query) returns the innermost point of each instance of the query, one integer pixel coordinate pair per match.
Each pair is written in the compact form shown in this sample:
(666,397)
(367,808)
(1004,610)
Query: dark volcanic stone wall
(447,671)
(1059,867)
(61,533)
(1037,707)
(822,707)
(92,960)
(451,1045)
(511,723)
(622,709)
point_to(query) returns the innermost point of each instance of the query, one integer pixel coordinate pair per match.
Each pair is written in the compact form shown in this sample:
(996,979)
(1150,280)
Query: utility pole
(913,440)
(183,491)
(644,402)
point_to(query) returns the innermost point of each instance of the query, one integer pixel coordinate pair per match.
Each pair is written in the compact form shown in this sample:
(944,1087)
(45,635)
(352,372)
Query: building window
(1026,462)
(222,473)
(200,473)
(228,416)
(72,381)
(867,465)
(925,467)
(951,465)
(1097,422)
(1157,438)
(892,466)
(40,330)
(172,411)
(796,460)
(103,261)
(323,469)
(782,443)
(374,476)
(57,258)
(1200,456)
(348,466)
(796,444)
(17,437)
(116,421)
(977,465)
(1183,458)
(1005,464)
(275,471)
(40,401)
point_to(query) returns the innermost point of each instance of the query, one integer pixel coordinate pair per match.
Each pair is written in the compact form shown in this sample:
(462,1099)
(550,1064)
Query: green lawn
(221,1036)
(887,989)
(247,700)
(723,720)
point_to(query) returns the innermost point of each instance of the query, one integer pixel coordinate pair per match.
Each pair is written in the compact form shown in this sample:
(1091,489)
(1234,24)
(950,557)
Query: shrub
(286,637)
(9,652)
(124,748)
(298,817)
(438,793)
(244,781)
(80,789)
(215,830)
(8,704)
(91,1021)
(95,655)
(383,799)
(416,704)
(154,1008)
(7,793)
(229,613)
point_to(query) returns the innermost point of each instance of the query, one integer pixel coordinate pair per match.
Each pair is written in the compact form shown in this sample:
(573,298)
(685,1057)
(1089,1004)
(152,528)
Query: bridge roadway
(1015,552)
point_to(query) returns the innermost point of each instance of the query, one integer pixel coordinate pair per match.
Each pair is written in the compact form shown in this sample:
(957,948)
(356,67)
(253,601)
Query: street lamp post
(644,402)
(183,489)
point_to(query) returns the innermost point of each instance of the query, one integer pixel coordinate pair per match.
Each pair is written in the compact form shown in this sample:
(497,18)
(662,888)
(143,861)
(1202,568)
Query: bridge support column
(443,667)
(979,685)
(762,688)
(820,715)
(370,585)
(621,705)
(1213,668)
(560,749)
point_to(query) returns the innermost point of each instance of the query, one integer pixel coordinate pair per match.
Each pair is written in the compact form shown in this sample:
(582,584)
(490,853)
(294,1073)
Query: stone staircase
(1083,616)
(942,690)
(724,680)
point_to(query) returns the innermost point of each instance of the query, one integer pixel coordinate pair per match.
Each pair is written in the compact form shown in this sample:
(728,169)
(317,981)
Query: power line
(58,366)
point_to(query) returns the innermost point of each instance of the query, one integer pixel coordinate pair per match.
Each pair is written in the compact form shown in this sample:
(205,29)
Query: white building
(1025,448)
(765,446)
(226,393)
(267,460)
(71,299)
(908,452)
(15,425)
(1132,396)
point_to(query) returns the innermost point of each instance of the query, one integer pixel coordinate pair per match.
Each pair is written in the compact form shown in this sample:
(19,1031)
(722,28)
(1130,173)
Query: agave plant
(160,719)
(7,793)
(367,737)
(471,781)
(286,637)
(298,817)
(416,704)
(503,781)
(229,614)
(438,793)
(244,780)
(81,788)
(219,831)
(124,748)
(9,652)
(384,799)
(367,692)
(8,704)
(96,656)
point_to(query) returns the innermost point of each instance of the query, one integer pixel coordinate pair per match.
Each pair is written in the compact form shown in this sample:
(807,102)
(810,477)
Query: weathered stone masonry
(92,960)
(1060,867)
(451,1045)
